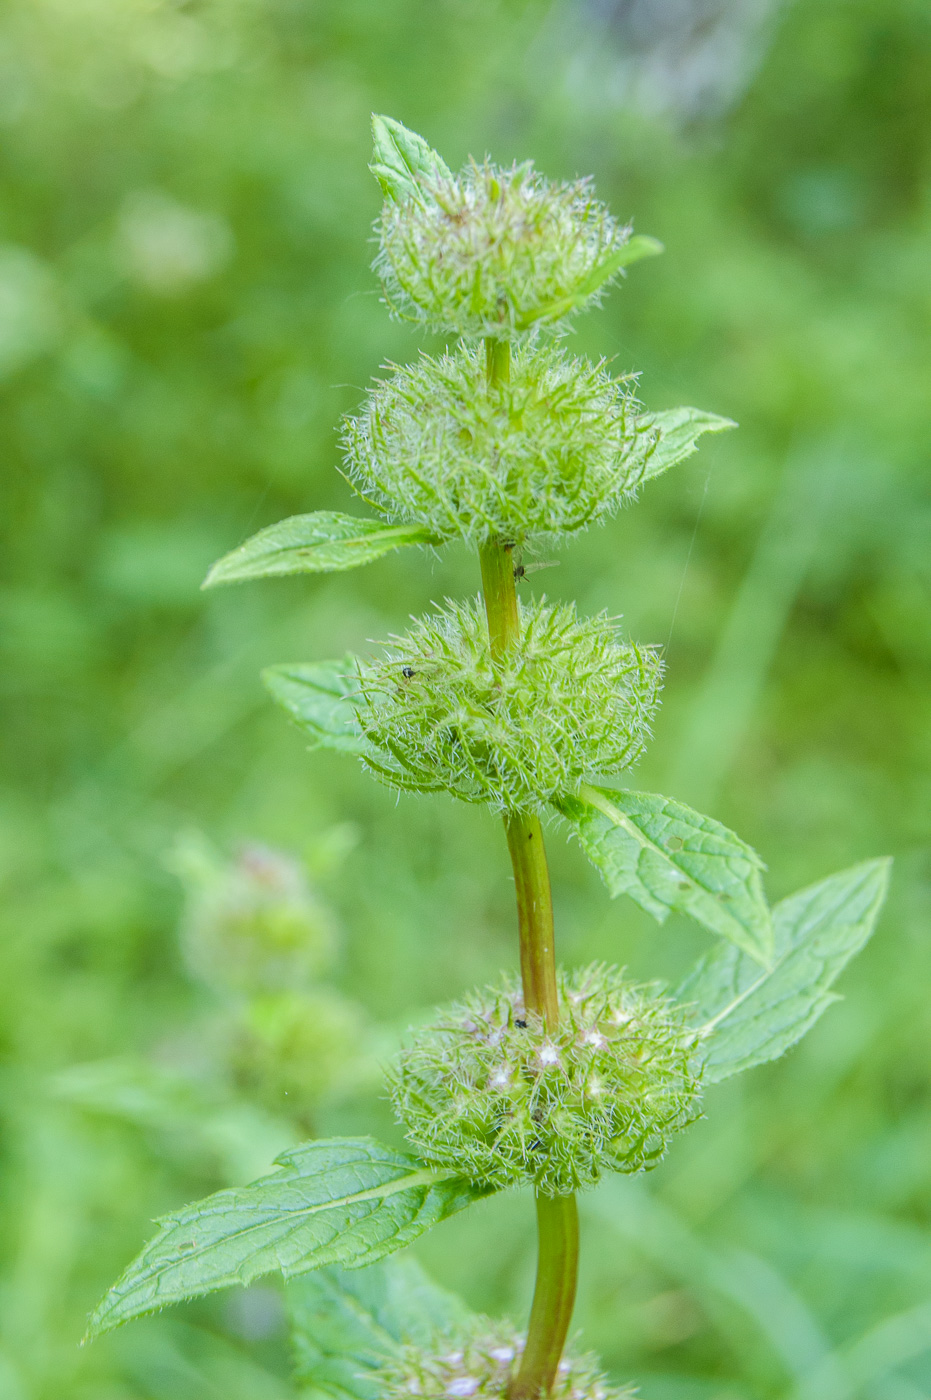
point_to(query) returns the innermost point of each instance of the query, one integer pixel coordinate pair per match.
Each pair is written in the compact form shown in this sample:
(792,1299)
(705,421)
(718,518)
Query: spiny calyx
(495,251)
(488,1089)
(567,699)
(480,1362)
(550,451)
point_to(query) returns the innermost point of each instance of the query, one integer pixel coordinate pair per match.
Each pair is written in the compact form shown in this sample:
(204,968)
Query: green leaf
(749,1016)
(318,695)
(339,1201)
(641,246)
(633,251)
(665,856)
(677,433)
(322,542)
(345,1323)
(402,160)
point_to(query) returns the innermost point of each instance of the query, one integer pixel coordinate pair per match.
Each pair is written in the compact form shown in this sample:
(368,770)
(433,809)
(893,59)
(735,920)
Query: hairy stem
(557,1217)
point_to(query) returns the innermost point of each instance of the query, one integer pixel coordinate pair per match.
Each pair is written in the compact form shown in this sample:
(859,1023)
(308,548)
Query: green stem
(534,915)
(553,1297)
(557,1217)
(500,596)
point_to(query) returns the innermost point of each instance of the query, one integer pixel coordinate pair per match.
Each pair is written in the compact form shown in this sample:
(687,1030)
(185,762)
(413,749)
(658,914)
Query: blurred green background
(185,311)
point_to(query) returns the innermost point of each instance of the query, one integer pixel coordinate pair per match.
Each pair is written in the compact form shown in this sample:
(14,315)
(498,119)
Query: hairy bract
(570,698)
(488,1089)
(494,251)
(550,451)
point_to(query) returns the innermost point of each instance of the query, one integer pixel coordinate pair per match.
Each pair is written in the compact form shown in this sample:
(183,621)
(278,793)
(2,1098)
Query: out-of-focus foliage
(186,311)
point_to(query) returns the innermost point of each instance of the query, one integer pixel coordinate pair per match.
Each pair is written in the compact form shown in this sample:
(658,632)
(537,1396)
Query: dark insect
(407,672)
(522,1024)
(522,570)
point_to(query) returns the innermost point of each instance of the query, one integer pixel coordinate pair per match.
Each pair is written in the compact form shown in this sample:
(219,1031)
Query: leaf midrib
(427,1176)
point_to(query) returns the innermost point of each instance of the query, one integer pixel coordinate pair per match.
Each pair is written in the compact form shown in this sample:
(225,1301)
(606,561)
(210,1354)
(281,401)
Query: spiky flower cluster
(567,700)
(251,923)
(480,1362)
(489,1090)
(549,452)
(494,251)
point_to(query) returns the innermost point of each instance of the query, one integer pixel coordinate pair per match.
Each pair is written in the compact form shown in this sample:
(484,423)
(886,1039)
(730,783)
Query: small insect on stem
(522,570)
(408,672)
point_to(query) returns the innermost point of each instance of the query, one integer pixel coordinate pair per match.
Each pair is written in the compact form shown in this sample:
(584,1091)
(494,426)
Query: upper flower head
(497,252)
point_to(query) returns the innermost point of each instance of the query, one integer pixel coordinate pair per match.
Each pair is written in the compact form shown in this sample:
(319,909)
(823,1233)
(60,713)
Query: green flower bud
(251,923)
(495,252)
(553,450)
(488,1090)
(294,1050)
(568,700)
(480,1362)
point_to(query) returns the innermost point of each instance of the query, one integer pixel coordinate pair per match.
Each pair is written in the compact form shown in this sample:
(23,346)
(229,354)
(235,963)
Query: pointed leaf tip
(345,1201)
(325,541)
(402,160)
(675,433)
(749,1015)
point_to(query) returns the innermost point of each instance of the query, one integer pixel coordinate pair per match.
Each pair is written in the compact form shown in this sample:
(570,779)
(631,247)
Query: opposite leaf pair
(351,1201)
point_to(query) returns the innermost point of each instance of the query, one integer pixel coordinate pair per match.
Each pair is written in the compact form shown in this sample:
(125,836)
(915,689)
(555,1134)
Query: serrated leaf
(322,542)
(402,160)
(678,431)
(749,1015)
(318,696)
(345,1323)
(665,856)
(339,1201)
(636,248)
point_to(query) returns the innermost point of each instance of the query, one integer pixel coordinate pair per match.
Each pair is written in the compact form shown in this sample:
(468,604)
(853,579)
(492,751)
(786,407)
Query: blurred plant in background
(183,199)
(247,1076)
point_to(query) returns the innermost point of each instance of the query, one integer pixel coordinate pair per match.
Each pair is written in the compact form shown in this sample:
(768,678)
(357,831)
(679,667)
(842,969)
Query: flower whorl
(494,251)
(489,1090)
(480,1362)
(567,700)
(547,453)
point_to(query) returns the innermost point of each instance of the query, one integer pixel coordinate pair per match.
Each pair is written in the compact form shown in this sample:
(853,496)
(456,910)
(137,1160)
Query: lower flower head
(569,699)
(482,1361)
(488,1090)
